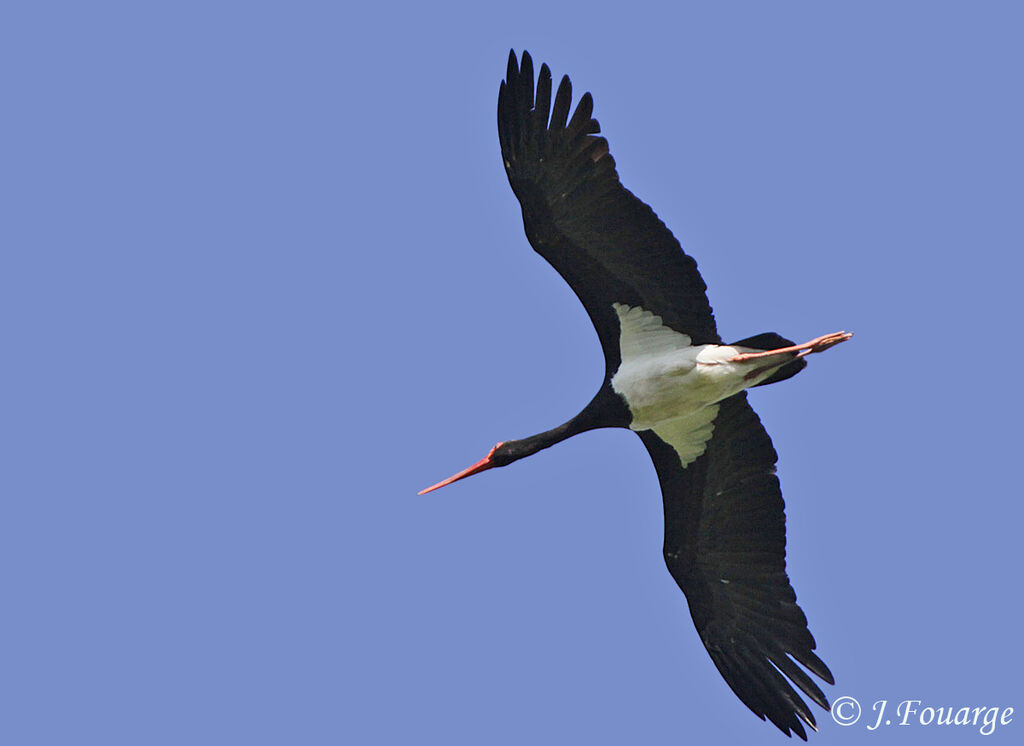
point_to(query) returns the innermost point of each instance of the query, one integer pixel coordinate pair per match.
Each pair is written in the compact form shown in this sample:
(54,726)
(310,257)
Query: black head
(502,454)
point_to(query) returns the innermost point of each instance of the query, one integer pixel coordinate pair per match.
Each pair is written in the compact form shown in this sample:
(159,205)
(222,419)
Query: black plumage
(607,244)
(725,536)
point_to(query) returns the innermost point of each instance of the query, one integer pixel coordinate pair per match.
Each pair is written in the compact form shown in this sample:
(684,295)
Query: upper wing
(607,244)
(725,545)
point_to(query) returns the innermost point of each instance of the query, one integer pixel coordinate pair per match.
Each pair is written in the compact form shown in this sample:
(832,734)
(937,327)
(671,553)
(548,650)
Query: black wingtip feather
(526,80)
(563,100)
(582,117)
(815,665)
(798,677)
(542,105)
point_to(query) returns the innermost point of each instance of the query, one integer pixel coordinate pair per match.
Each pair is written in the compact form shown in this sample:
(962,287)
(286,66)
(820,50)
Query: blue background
(263,279)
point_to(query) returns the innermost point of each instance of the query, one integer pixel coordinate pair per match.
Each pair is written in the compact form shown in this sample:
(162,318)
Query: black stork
(669,378)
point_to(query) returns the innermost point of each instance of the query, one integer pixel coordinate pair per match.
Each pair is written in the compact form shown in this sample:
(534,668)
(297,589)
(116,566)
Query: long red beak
(482,465)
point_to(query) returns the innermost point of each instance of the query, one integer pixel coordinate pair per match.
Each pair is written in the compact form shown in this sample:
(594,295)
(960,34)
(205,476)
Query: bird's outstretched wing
(607,244)
(725,545)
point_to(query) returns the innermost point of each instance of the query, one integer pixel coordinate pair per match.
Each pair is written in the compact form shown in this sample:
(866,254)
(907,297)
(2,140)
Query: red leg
(819,344)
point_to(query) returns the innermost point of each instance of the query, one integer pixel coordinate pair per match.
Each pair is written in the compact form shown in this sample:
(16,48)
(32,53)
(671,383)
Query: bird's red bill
(482,465)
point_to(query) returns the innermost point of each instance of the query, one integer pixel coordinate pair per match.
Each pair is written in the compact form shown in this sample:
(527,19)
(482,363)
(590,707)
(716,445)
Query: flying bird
(669,378)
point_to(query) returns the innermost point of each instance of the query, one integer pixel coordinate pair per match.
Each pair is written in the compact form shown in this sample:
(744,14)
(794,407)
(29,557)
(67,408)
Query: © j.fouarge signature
(847,711)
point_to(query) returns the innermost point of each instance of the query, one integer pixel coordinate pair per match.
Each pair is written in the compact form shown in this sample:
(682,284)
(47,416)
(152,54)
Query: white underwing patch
(672,386)
(642,333)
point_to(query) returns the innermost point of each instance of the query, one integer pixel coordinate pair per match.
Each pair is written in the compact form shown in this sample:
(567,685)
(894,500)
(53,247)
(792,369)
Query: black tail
(772,341)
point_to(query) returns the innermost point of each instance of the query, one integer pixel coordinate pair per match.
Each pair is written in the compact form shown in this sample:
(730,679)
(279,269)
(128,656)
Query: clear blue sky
(263,279)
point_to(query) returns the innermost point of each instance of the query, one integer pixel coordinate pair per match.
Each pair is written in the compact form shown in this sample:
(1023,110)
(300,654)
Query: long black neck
(606,409)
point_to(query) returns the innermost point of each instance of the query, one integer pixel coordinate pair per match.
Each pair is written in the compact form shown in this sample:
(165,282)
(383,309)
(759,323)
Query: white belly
(671,386)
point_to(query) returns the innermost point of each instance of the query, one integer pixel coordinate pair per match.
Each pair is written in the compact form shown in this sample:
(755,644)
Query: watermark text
(847,711)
